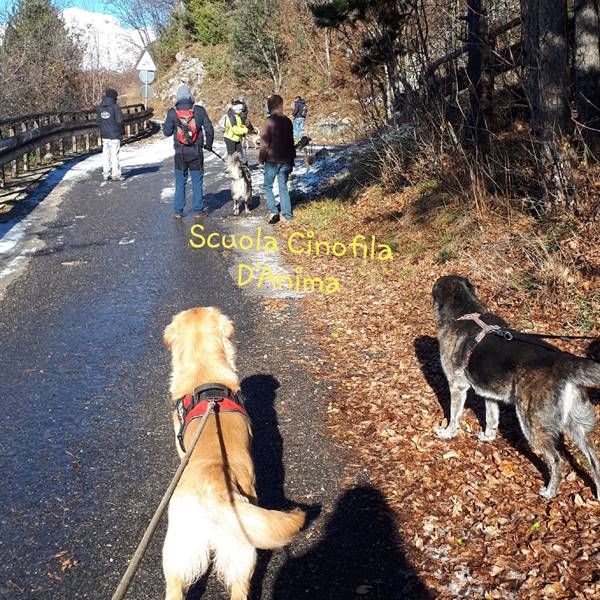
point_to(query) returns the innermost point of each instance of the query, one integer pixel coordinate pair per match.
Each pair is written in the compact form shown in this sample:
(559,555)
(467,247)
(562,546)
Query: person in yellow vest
(236,128)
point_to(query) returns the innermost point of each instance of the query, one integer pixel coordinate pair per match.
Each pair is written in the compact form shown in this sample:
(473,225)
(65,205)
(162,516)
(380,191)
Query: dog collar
(193,406)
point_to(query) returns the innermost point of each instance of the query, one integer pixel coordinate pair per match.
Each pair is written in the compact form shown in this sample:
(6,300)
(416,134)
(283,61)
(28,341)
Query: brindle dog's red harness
(194,406)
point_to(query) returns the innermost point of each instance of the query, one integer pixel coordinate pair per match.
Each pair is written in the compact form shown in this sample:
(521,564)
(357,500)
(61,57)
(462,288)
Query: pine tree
(39,62)
(208,21)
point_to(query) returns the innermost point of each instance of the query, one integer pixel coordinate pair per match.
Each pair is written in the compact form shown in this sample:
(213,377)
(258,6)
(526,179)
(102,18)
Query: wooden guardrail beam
(72,113)
(33,132)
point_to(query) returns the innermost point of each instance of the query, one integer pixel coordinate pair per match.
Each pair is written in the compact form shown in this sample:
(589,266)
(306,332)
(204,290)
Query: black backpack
(302,109)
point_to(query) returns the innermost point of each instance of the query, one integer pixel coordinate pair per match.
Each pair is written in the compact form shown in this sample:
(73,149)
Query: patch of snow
(166,195)
(130,156)
(321,174)
(19,239)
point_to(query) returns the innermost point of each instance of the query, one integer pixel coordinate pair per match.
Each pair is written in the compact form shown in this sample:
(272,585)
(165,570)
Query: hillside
(105,42)
(334,112)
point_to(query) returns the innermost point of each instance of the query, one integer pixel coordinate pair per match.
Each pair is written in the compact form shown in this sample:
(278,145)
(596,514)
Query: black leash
(509,334)
(562,337)
(216,154)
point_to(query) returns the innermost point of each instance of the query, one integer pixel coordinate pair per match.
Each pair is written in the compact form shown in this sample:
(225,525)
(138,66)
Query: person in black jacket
(110,122)
(299,115)
(192,130)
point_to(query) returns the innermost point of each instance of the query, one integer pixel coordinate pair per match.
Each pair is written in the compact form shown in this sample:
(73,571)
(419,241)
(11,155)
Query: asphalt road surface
(96,272)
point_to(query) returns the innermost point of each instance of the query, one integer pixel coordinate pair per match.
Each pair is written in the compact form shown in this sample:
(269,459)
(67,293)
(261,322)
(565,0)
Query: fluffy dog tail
(264,529)
(583,371)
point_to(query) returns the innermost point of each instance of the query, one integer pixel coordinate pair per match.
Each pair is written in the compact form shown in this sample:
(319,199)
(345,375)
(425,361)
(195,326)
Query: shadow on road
(216,200)
(267,448)
(360,556)
(129,173)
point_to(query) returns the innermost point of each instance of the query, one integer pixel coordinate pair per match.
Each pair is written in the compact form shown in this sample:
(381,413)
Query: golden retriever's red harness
(194,406)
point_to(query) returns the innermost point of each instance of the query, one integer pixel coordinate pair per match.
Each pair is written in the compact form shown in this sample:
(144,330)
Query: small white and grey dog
(240,182)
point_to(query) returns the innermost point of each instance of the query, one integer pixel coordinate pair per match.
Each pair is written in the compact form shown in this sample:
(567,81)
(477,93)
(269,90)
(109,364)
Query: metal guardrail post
(38,154)
(26,155)
(14,162)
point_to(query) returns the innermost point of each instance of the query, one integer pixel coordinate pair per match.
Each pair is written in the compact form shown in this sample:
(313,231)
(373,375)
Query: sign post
(146,68)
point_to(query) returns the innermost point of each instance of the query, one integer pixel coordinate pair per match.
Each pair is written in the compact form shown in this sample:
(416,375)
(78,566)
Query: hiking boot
(177,216)
(200,214)
(105,177)
(273,218)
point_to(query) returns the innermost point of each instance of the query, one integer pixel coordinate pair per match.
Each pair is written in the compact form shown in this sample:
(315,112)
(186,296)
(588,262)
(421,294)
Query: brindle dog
(544,383)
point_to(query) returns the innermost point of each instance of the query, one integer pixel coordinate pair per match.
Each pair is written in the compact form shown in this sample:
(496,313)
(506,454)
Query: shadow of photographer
(360,556)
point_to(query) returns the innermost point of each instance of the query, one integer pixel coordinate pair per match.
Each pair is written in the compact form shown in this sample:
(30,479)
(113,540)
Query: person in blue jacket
(109,119)
(192,131)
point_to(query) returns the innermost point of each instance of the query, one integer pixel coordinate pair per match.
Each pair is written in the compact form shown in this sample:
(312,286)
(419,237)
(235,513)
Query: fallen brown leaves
(468,511)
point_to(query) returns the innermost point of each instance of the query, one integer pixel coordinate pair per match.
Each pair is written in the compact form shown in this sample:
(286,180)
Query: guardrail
(66,133)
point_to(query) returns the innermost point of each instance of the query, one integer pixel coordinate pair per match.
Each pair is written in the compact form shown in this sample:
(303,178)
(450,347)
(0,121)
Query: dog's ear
(226,327)
(468,285)
(169,335)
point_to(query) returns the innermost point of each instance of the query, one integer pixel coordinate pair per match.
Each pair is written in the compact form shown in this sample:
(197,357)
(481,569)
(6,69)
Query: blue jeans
(193,164)
(298,128)
(282,172)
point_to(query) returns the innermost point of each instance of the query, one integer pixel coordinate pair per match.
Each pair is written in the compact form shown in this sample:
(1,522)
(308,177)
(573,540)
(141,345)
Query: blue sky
(92,5)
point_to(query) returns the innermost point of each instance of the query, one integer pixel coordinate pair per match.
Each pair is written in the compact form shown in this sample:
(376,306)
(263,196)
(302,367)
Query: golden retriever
(213,512)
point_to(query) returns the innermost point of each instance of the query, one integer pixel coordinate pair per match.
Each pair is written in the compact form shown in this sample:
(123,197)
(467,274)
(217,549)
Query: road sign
(146,63)
(146,67)
(146,76)
(146,92)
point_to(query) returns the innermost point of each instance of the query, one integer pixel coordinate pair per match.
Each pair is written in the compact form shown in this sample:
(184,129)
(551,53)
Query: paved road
(86,445)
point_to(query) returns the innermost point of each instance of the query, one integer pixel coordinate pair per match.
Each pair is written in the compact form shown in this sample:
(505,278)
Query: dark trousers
(233,146)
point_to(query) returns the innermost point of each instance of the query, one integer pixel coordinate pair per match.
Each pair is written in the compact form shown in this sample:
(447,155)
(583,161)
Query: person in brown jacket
(277,154)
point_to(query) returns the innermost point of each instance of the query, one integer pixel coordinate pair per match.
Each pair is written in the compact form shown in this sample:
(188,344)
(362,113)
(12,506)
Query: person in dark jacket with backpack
(109,119)
(192,131)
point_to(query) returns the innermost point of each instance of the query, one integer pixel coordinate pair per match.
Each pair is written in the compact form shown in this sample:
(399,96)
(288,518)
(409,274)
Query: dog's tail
(264,529)
(583,371)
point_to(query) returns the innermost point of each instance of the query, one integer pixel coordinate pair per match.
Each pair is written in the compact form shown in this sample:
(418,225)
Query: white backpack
(223,122)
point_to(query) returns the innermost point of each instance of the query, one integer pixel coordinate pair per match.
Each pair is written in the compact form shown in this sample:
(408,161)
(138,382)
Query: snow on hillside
(106,44)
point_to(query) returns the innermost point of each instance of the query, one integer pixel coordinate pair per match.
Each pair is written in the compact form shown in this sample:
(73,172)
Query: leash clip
(507,335)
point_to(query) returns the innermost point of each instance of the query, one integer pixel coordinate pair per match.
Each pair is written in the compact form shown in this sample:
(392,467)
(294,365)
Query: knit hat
(111,93)
(238,106)
(183,93)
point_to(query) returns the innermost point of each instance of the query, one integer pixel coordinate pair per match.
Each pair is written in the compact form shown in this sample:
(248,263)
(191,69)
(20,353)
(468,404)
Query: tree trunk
(546,66)
(587,69)
(389,93)
(328,54)
(480,74)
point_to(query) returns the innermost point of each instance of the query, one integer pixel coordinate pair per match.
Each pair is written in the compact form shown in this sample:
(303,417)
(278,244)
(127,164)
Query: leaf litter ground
(469,512)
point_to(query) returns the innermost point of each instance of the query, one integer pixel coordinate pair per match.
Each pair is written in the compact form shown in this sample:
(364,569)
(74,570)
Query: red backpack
(187,130)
